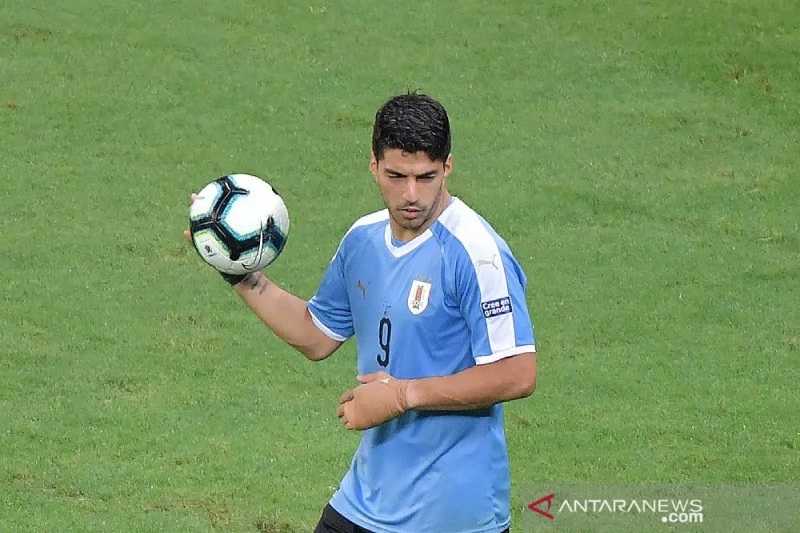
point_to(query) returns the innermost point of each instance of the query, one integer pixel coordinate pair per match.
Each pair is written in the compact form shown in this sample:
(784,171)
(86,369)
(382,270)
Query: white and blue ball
(239,224)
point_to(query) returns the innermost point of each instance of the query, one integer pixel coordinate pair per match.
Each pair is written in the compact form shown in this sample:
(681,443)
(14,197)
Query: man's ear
(373,165)
(448,165)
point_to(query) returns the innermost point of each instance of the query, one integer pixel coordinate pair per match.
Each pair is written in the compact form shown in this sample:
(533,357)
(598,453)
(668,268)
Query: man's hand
(378,399)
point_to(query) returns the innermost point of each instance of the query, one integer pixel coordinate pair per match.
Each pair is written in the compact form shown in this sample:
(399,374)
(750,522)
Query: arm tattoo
(251,281)
(256,280)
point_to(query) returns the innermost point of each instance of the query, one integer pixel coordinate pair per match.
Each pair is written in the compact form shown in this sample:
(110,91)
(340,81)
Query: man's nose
(410,193)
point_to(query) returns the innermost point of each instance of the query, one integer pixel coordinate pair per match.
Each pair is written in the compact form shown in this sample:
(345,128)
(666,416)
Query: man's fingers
(344,416)
(186,233)
(347,396)
(375,376)
(347,419)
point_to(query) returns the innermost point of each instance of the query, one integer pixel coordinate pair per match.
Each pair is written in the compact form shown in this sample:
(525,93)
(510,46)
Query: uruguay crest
(418,296)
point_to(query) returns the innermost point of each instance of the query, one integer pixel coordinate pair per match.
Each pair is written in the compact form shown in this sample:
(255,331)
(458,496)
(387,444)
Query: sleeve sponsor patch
(500,306)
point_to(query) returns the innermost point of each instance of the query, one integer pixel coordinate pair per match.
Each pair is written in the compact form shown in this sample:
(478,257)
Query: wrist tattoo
(251,281)
(256,280)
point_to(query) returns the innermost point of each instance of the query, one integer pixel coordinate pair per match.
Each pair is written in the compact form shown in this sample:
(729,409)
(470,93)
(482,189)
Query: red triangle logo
(537,506)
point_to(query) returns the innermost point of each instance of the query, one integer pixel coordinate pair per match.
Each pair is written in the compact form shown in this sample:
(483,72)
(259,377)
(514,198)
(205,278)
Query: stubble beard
(424,217)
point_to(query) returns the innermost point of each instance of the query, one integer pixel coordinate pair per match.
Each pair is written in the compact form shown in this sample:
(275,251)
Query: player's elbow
(313,353)
(529,385)
(318,349)
(526,377)
(525,386)
(313,343)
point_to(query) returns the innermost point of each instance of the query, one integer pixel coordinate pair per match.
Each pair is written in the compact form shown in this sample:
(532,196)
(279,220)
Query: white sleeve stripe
(325,329)
(487,263)
(484,359)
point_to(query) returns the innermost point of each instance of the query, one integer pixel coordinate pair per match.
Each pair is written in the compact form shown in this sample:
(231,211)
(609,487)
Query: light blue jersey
(447,300)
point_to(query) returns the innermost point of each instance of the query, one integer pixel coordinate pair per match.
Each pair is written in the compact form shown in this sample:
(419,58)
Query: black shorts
(333,522)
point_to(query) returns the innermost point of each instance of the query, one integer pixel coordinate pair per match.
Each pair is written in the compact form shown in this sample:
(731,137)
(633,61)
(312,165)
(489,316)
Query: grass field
(641,158)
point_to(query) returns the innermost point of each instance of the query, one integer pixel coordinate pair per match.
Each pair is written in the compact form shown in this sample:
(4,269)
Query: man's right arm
(286,315)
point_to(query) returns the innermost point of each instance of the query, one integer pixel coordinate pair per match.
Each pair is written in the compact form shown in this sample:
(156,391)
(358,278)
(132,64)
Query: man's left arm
(381,397)
(476,387)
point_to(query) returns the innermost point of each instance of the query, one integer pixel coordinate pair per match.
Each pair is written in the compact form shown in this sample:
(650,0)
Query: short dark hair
(413,123)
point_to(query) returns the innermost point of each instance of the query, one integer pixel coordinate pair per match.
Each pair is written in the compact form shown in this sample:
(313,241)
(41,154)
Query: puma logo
(362,288)
(489,262)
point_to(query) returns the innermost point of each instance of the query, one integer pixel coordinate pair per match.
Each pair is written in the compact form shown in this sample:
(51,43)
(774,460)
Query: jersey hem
(375,528)
(491,358)
(325,329)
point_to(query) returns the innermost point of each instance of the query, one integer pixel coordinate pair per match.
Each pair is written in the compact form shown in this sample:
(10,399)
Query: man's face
(413,187)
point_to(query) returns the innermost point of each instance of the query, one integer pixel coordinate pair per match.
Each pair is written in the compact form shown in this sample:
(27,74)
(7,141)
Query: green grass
(640,158)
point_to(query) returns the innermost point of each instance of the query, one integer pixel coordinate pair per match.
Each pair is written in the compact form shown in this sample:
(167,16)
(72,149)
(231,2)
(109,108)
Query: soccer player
(436,302)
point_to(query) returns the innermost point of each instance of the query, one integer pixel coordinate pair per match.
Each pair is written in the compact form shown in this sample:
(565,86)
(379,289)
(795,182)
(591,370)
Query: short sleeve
(492,300)
(330,306)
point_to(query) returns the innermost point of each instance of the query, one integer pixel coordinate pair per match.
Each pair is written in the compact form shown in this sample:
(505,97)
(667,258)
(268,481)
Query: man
(436,302)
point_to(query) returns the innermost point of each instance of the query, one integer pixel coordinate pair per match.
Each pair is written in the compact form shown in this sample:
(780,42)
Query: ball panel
(257,258)
(205,200)
(252,183)
(212,249)
(243,217)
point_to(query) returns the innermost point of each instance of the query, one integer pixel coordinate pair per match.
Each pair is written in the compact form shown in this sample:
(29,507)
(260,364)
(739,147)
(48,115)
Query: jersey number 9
(384,338)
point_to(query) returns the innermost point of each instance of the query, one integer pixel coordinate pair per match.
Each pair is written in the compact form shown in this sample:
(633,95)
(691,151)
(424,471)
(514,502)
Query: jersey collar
(408,247)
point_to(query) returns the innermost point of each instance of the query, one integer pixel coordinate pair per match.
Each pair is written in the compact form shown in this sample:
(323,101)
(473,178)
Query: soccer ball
(239,224)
